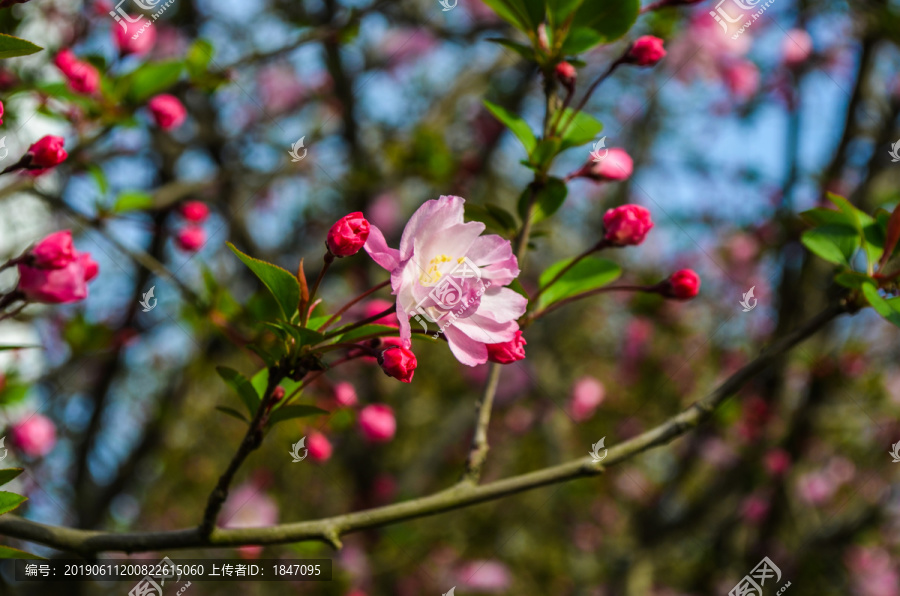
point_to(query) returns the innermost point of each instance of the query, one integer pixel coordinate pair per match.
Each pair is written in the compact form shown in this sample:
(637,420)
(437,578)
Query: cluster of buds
(53,272)
(192,236)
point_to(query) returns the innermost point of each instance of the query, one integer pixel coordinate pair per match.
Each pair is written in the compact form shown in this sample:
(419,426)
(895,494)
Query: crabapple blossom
(319,446)
(60,285)
(194,211)
(348,235)
(509,351)
(398,362)
(53,252)
(35,436)
(627,225)
(645,51)
(682,285)
(47,152)
(126,41)
(167,110)
(191,238)
(377,423)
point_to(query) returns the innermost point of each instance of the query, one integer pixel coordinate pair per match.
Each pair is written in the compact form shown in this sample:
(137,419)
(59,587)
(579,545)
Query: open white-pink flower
(447,273)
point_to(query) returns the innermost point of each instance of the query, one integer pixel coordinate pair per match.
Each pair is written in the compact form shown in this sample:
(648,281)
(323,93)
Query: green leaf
(549,199)
(516,286)
(316,322)
(99,177)
(545,151)
(506,219)
(365,330)
(881,306)
(534,10)
(588,274)
(300,411)
(282,284)
(233,413)
(10,46)
(608,19)
(852,279)
(503,10)
(8,552)
(580,39)
(581,131)
(834,242)
(133,201)
(560,10)
(9,501)
(821,216)
(241,386)
(518,126)
(198,57)
(8,474)
(152,79)
(520,49)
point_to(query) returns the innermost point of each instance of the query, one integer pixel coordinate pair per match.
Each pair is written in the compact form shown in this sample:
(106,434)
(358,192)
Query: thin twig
(347,306)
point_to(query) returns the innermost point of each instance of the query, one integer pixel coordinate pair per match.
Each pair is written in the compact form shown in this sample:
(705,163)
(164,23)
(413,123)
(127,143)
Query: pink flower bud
(319,446)
(778,461)
(615,167)
(83,78)
(191,238)
(645,51)
(682,285)
(58,286)
(277,394)
(377,423)
(47,152)
(126,41)
(34,436)
(587,394)
(796,47)
(508,352)
(566,75)
(348,235)
(742,79)
(345,394)
(65,60)
(167,111)
(627,225)
(398,362)
(195,211)
(53,252)
(1,112)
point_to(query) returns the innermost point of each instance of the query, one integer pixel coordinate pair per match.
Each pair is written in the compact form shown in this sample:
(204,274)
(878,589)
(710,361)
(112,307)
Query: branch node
(333,537)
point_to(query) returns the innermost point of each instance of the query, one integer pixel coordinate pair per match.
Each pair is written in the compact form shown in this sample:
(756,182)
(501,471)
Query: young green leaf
(152,79)
(518,126)
(892,236)
(241,386)
(8,552)
(233,413)
(600,21)
(588,274)
(282,284)
(549,199)
(881,306)
(289,412)
(9,501)
(133,201)
(11,47)
(365,330)
(852,279)
(560,10)
(8,474)
(835,243)
(583,129)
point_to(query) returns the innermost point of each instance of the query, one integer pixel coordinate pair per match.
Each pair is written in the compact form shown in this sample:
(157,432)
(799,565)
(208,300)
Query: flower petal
(502,304)
(428,220)
(485,330)
(495,257)
(381,253)
(467,350)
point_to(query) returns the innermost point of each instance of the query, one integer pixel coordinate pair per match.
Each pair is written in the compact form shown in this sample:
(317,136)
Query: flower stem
(599,246)
(329,259)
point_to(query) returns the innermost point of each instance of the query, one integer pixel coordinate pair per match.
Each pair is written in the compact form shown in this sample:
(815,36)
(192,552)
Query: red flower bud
(167,110)
(57,286)
(398,362)
(627,225)
(682,285)
(47,152)
(191,238)
(507,352)
(195,211)
(53,252)
(377,423)
(1,112)
(348,235)
(277,394)
(319,446)
(615,167)
(566,75)
(645,51)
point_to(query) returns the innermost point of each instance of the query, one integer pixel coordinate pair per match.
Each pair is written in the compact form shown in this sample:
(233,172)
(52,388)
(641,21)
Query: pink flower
(627,225)
(34,436)
(279,87)
(191,238)
(872,571)
(319,446)
(47,152)
(65,60)
(645,51)
(509,351)
(815,488)
(447,273)
(81,76)
(377,423)
(167,110)
(566,75)
(398,362)
(682,285)
(615,167)
(796,47)
(348,235)
(345,394)
(755,508)
(377,305)
(777,461)
(58,286)
(587,395)
(484,576)
(742,79)
(53,252)
(195,211)
(248,507)
(126,41)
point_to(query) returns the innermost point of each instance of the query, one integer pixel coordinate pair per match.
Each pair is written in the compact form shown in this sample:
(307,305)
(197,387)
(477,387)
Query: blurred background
(731,138)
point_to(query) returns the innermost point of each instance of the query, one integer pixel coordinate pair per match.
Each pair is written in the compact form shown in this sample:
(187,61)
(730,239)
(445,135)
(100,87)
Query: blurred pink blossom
(742,79)
(484,576)
(587,395)
(815,488)
(873,573)
(345,394)
(384,212)
(778,461)
(755,508)
(247,506)
(796,47)
(400,46)
(35,436)
(279,87)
